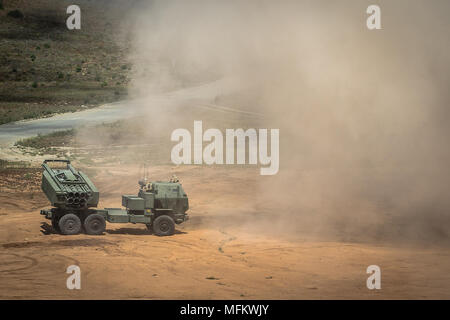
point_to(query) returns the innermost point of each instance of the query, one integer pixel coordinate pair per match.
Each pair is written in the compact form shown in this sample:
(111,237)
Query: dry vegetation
(47,69)
(57,138)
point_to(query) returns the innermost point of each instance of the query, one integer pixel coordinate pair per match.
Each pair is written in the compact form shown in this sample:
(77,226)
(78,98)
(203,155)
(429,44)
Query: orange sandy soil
(220,253)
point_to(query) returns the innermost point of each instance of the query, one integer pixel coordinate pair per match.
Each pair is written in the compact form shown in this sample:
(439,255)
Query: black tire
(69,224)
(94,224)
(163,226)
(55,224)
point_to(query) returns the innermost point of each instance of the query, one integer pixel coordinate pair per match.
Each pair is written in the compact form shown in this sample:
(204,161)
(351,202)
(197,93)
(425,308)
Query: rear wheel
(163,226)
(94,224)
(69,224)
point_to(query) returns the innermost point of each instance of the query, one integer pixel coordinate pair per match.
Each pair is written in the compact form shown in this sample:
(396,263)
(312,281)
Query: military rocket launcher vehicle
(159,205)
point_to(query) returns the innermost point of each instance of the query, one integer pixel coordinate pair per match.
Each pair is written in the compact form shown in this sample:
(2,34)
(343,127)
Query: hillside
(46,68)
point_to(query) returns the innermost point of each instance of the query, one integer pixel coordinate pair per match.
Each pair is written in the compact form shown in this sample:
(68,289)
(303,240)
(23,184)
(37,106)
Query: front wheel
(94,224)
(164,226)
(69,224)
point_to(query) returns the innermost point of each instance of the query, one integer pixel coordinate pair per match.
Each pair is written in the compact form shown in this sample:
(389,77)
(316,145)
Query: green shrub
(34,84)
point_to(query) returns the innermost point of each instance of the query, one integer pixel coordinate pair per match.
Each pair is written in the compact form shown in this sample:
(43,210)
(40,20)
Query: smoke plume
(363,114)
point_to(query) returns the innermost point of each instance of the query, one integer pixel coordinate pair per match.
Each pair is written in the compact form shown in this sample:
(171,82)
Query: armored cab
(158,196)
(160,205)
(68,188)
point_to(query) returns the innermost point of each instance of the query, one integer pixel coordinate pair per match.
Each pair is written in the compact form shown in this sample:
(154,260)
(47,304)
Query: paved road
(200,95)
(11,132)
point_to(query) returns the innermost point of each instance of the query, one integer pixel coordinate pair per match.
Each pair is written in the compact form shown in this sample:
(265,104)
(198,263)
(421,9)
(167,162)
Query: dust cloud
(363,115)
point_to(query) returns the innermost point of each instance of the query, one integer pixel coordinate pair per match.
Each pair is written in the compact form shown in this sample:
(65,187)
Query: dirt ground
(220,253)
